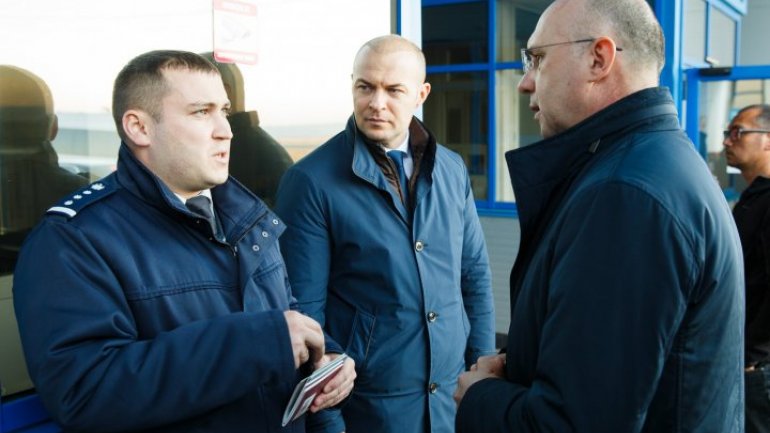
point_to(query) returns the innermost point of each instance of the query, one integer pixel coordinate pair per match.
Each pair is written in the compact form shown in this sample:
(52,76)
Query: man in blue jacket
(384,248)
(627,292)
(143,305)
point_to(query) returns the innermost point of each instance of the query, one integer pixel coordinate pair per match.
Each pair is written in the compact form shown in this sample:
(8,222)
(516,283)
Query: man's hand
(339,387)
(307,338)
(485,367)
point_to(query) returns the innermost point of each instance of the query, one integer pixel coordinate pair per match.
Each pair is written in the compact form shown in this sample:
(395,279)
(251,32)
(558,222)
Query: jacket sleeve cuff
(487,403)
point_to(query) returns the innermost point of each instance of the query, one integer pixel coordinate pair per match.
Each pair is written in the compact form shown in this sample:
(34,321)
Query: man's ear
(137,125)
(53,130)
(422,93)
(603,51)
(766,142)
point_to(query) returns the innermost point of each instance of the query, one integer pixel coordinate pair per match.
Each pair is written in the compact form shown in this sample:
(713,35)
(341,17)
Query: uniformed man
(156,299)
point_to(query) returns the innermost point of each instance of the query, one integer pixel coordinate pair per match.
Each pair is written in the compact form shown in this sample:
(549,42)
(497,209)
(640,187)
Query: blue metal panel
(491,104)
(738,6)
(509,65)
(669,15)
(760,72)
(728,9)
(506,210)
(707,36)
(426,3)
(691,125)
(398,17)
(25,415)
(468,67)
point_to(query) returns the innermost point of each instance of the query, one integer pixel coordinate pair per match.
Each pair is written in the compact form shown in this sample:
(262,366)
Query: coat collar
(237,208)
(536,170)
(371,163)
(759,186)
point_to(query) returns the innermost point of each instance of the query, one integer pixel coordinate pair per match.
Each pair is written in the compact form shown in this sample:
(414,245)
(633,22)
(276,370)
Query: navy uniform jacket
(408,295)
(627,293)
(133,319)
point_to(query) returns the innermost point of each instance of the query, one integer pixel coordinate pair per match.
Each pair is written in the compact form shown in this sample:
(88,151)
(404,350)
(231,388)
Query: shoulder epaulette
(78,200)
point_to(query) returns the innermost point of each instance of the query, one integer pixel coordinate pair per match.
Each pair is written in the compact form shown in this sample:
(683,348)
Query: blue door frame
(25,414)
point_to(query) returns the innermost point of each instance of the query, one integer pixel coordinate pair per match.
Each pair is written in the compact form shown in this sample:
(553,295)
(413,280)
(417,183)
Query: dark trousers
(758,400)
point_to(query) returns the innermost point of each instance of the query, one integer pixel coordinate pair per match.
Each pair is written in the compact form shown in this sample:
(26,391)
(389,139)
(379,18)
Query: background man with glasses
(627,308)
(747,148)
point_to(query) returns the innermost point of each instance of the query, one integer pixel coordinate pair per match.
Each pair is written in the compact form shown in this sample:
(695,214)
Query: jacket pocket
(466,322)
(360,338)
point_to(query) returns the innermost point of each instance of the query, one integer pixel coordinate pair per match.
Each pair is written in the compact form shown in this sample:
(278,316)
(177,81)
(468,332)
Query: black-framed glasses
(734,134)
(531,60)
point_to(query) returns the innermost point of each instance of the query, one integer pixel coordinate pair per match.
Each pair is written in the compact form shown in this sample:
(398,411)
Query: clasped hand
(485,367)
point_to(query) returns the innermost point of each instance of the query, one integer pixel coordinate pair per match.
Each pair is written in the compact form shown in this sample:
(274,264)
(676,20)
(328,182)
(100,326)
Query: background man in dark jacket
(627,301)
(747,147)
(142,305)
(385,249)
(257,160)
(30,177)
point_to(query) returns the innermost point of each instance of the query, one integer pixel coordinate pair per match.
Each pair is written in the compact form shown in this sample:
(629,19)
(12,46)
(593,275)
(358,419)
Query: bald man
(384,248)
(627,292)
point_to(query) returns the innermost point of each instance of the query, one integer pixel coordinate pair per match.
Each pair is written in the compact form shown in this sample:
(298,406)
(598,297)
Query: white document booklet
(308,388)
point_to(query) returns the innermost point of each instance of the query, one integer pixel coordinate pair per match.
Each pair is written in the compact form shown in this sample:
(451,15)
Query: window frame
(489,206)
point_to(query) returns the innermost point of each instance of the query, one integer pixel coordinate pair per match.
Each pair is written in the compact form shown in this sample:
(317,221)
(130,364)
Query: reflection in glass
(719,102)
(516,127)
(694,27)
(456,111)
(455,33)
(31,180)
(515,23)
(722,38)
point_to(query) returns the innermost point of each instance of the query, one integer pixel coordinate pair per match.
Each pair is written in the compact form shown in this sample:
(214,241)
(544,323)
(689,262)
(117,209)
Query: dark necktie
(397,157)
(201,206)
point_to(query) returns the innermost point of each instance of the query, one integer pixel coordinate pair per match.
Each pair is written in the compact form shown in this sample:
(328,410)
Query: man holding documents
(164,305)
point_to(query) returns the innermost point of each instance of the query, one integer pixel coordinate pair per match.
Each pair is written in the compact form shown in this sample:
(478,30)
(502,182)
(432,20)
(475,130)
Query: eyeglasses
(734,134)
(531,60)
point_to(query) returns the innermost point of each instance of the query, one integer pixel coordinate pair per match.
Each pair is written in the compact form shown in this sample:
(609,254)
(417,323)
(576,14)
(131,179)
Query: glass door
(713,97)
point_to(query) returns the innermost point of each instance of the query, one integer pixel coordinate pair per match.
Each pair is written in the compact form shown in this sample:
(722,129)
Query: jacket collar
(237,208)
(536,170)
(371,163)
(758,186)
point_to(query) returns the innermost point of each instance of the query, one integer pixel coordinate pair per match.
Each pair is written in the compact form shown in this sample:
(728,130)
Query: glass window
(694,28)
(56,129)
(516,127)
(719,102)
(455,33)
(456,111)
(515,24)
(722,38)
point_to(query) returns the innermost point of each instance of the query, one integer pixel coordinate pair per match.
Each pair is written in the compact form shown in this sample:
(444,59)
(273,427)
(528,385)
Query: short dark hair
(141,84)
(763,116)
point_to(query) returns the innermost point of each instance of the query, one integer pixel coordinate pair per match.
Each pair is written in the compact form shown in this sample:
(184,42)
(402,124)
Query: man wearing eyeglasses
(627,308)
(747,148)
